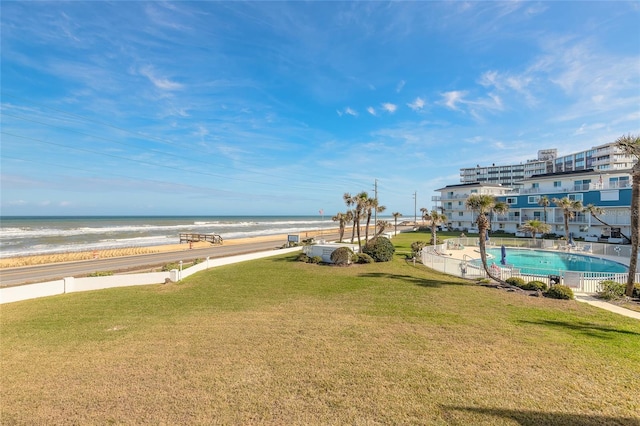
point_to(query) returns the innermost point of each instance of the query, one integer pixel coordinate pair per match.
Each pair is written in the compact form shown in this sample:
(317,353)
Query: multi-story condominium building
(610,190)
(600,158)
(451,202)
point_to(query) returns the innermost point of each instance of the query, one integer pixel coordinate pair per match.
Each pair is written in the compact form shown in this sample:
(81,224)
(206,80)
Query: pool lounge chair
(585,248)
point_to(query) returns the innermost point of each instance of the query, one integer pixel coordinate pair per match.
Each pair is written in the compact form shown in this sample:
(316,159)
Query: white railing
(71,284)
(583,282)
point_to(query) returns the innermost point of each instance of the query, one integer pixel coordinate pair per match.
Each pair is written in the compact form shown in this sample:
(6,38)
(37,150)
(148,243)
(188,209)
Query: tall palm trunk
(358,231)
(635,228)
(366,229)
(353,228)
(483,225)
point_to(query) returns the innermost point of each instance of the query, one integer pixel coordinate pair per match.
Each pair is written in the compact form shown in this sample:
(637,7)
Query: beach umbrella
(503,250)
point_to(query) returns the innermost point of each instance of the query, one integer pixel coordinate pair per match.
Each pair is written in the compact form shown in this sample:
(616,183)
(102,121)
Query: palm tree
(341,218)
(535,227)
(483,205)
(595,212)
(361,201)
(499,208)
(371,205)
(544,202)
(382,225)
(350,201)
(424,212)
(396,215)
(569,208)
(435,218)
(631,146)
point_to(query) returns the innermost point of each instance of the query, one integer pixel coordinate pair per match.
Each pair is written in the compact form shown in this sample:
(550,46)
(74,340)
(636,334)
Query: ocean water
(20,236)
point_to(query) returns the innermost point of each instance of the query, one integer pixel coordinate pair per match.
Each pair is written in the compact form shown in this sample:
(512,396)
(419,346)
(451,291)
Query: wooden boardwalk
(194,238)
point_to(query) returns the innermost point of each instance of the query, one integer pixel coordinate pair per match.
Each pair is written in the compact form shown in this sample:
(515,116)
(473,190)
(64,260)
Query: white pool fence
(437,257)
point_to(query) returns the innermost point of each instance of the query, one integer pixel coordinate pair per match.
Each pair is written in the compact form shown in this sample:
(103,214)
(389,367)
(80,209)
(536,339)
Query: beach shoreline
(50,258)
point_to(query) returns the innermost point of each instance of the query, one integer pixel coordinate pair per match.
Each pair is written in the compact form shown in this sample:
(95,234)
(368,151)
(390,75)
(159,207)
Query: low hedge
(559,291)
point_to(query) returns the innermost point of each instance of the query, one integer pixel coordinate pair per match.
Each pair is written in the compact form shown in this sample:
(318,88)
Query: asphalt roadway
(55,271)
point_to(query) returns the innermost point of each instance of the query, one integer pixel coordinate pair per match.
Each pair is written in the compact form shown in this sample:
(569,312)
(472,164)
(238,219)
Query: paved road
(49,272)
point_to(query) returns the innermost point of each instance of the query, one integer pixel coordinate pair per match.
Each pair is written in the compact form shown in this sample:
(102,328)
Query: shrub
(342,256)
(611,290)
(416,246)
(516,281)
(534,285)
(559,291)
(438,241)
(302,258)
(101,274)
(380,249)
(315,259)
(636,290)
(170,266)
(363,258)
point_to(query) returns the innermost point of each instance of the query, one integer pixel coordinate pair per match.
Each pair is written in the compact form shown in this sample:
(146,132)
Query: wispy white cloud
(453,98)
(160,82)
(504,82)
(371,110)
(586,128)
(400,86)
(389,107)
(417,104)
(348,111)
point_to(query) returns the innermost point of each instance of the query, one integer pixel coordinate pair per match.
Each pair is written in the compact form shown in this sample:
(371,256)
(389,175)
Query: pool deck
(474,252)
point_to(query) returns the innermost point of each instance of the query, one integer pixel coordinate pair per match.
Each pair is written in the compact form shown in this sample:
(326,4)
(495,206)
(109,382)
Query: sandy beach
(13,262)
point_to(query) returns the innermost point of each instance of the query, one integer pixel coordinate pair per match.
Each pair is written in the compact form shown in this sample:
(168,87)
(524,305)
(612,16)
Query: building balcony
(453,197)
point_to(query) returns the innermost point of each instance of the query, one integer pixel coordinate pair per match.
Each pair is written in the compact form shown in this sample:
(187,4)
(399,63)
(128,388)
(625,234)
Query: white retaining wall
(71,284)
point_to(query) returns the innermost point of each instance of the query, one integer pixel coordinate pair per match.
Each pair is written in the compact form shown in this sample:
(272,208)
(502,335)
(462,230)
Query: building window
(460,213)
(512,200)
(575,197)
(533,199)
(557,184)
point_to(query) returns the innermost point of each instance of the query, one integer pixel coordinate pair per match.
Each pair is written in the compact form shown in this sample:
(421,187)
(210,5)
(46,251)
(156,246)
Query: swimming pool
(550,263)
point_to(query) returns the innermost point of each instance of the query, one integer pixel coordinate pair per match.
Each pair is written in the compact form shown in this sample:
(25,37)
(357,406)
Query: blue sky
(216,108)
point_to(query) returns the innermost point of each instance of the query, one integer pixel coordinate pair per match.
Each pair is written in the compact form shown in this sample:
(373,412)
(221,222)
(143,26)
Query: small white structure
(325,250)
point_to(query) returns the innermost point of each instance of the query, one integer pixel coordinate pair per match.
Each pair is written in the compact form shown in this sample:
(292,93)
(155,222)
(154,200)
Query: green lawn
(274,341)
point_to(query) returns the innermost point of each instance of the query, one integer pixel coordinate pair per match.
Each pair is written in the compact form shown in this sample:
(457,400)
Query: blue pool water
(549,263)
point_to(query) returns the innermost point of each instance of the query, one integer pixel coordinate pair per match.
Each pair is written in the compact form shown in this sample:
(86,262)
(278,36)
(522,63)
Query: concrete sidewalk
(586,298)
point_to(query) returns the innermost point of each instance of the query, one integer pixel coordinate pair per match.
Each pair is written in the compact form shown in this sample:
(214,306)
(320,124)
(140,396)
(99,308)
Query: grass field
(274,341)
